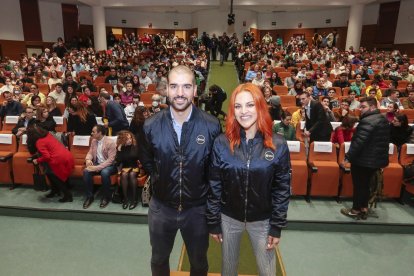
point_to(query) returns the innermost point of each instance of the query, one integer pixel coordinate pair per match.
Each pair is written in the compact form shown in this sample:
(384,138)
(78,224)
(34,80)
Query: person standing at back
(367,154)
(175,152)
(318,127)
(115,113)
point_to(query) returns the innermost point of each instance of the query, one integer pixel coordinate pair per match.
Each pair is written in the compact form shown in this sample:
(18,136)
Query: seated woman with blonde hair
(127,162)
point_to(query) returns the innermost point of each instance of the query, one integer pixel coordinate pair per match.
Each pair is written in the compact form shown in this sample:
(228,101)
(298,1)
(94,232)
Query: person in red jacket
(344,132)
(58,161)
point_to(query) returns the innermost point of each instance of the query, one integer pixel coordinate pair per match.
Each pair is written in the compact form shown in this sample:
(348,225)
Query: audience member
(127,163)
(99,161)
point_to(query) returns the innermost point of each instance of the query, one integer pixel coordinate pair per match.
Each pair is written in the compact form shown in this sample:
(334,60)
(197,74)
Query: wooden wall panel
(387,22)
(70,21)
(13,49)
(85,31)
(30,20)
(368,36)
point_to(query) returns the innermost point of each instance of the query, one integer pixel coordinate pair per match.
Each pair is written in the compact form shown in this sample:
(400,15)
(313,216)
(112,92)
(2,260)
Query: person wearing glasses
(34,91)
(26,119)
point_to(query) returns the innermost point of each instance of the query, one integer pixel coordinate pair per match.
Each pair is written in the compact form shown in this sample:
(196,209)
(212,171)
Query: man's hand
(306,133)
(90,168)
(217,237)
(272,242)
(88,163)
(35,161)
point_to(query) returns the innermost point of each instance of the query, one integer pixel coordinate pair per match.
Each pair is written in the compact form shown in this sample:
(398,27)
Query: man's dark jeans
(164,222)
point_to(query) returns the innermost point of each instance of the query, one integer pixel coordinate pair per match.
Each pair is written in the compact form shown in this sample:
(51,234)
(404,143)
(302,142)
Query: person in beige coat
(99,161)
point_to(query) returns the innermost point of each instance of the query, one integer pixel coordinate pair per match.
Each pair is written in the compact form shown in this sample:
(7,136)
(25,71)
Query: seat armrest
(313,168)
(345,167)
(6,157)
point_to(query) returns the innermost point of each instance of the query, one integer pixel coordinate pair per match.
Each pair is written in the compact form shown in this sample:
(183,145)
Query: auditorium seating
(345,177)
(287,100)
(20,164)
(61,123)
(280,90)
(9,123)
(407,157)
(323,169)
(8,147)
(79,147)
(152,87)
(393,175)
(43,88)
(146,98)
(299,168)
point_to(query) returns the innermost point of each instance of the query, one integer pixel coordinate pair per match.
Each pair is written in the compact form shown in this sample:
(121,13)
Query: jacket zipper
(180,206)
(249,155)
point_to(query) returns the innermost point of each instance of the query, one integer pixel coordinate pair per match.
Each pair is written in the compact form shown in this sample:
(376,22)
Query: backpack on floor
(375,188)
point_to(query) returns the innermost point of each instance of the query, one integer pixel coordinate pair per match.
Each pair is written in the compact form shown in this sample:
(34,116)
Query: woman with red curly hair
(249,182)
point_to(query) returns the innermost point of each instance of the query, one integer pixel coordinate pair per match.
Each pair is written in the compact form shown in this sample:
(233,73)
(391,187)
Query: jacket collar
(194,113)
(257,138)
(369,113)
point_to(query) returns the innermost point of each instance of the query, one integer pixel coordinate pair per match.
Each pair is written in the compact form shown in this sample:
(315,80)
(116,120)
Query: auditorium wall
(215,21)
(135,19)
(11,27)
(51,20)
(404,33)
(212,21)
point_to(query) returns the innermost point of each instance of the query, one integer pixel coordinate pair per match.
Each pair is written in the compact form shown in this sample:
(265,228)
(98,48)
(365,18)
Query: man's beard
(179,107)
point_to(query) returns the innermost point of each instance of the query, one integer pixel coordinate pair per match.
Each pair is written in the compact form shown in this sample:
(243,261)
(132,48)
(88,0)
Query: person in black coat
(317,125)
(218,96)
(44,120)
(400,131)
(367,154)
(80,121)
(127,162)
(10,107)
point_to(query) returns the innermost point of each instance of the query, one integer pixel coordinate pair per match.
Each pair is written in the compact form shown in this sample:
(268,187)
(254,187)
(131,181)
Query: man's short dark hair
(101,129)
(343,75)
(144,70)
(105,95)
(371,101)
(59,84)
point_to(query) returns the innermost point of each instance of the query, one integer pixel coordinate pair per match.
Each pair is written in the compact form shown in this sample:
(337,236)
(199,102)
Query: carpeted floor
(247,261)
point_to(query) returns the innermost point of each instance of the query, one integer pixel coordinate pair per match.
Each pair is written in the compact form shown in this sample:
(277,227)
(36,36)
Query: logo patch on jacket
(200,139)
(269,156)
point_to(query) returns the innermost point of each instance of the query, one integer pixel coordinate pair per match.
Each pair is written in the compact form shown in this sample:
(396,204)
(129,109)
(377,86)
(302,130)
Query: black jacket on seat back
(370,142)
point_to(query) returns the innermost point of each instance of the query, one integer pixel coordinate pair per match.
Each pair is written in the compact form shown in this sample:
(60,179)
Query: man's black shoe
(87,202)
(104,203)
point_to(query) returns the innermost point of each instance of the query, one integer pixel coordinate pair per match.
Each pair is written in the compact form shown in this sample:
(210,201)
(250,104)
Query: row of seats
(282,90)
(14,168)
(324,173)
(61,123)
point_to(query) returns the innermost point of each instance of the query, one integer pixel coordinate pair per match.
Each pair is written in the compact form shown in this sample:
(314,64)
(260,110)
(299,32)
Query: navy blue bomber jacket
(251,184)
